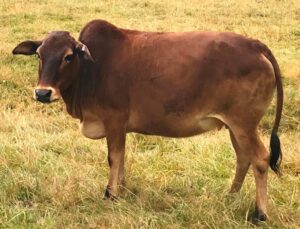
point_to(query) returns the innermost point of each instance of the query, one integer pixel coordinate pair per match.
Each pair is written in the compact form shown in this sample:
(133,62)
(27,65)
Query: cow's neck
(81,92)
(69,97)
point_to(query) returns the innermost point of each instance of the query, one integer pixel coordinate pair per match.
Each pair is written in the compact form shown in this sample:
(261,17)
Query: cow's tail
(275,154)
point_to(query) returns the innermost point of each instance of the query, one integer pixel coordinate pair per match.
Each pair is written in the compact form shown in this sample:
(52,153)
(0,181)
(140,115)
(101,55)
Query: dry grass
(52,177)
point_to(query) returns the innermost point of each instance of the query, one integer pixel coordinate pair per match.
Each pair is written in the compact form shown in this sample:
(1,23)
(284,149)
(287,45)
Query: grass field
(52,177)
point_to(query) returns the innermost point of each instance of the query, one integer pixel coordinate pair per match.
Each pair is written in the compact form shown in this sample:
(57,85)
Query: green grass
(52,177)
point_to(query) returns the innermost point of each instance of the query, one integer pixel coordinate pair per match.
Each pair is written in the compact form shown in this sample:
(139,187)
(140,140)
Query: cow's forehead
(57,40)
(57,36)
(59,33)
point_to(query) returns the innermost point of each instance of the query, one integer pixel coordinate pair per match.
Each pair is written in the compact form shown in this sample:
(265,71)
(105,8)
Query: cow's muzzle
(43,95)
(46,94)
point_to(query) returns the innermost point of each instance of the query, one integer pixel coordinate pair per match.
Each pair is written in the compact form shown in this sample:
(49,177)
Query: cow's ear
(27,47)
(83,52)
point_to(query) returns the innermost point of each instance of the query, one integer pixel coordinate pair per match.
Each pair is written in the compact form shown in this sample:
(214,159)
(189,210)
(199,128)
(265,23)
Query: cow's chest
(92,129)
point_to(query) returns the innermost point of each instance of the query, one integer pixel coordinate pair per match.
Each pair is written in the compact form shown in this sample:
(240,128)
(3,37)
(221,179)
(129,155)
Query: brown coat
(169,84)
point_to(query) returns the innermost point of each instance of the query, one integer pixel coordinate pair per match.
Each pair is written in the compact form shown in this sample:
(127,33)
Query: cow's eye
(69,58)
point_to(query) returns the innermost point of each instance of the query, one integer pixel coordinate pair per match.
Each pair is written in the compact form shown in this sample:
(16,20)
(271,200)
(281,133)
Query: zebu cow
(117,81)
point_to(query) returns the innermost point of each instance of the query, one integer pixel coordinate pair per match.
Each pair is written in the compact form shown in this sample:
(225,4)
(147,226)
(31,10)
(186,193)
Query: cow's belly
(172,127)
(92,129)
(177,127)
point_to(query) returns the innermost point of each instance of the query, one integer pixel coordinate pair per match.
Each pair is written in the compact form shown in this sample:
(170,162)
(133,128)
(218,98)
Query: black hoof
(108,195)
(258,216)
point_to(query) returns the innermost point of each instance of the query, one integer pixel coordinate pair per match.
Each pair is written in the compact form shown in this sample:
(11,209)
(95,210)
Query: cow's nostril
(43,95)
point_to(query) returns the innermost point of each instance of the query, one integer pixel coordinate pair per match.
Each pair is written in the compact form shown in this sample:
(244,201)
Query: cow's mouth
(46,94)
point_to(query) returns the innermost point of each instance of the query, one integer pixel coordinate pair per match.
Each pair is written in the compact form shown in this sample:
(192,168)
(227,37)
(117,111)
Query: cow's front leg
(121,177)
(116,150)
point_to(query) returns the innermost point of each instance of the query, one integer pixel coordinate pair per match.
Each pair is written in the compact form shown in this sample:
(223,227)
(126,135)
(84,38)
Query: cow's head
(60,58)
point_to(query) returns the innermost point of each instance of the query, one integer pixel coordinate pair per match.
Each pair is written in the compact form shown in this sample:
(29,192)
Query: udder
(93,130)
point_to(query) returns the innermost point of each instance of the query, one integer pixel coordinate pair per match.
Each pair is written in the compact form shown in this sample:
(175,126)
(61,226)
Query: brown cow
(169,84)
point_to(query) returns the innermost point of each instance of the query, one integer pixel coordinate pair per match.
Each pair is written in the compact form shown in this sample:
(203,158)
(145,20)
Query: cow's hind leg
(251,147)
(260,164)
(242,166)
